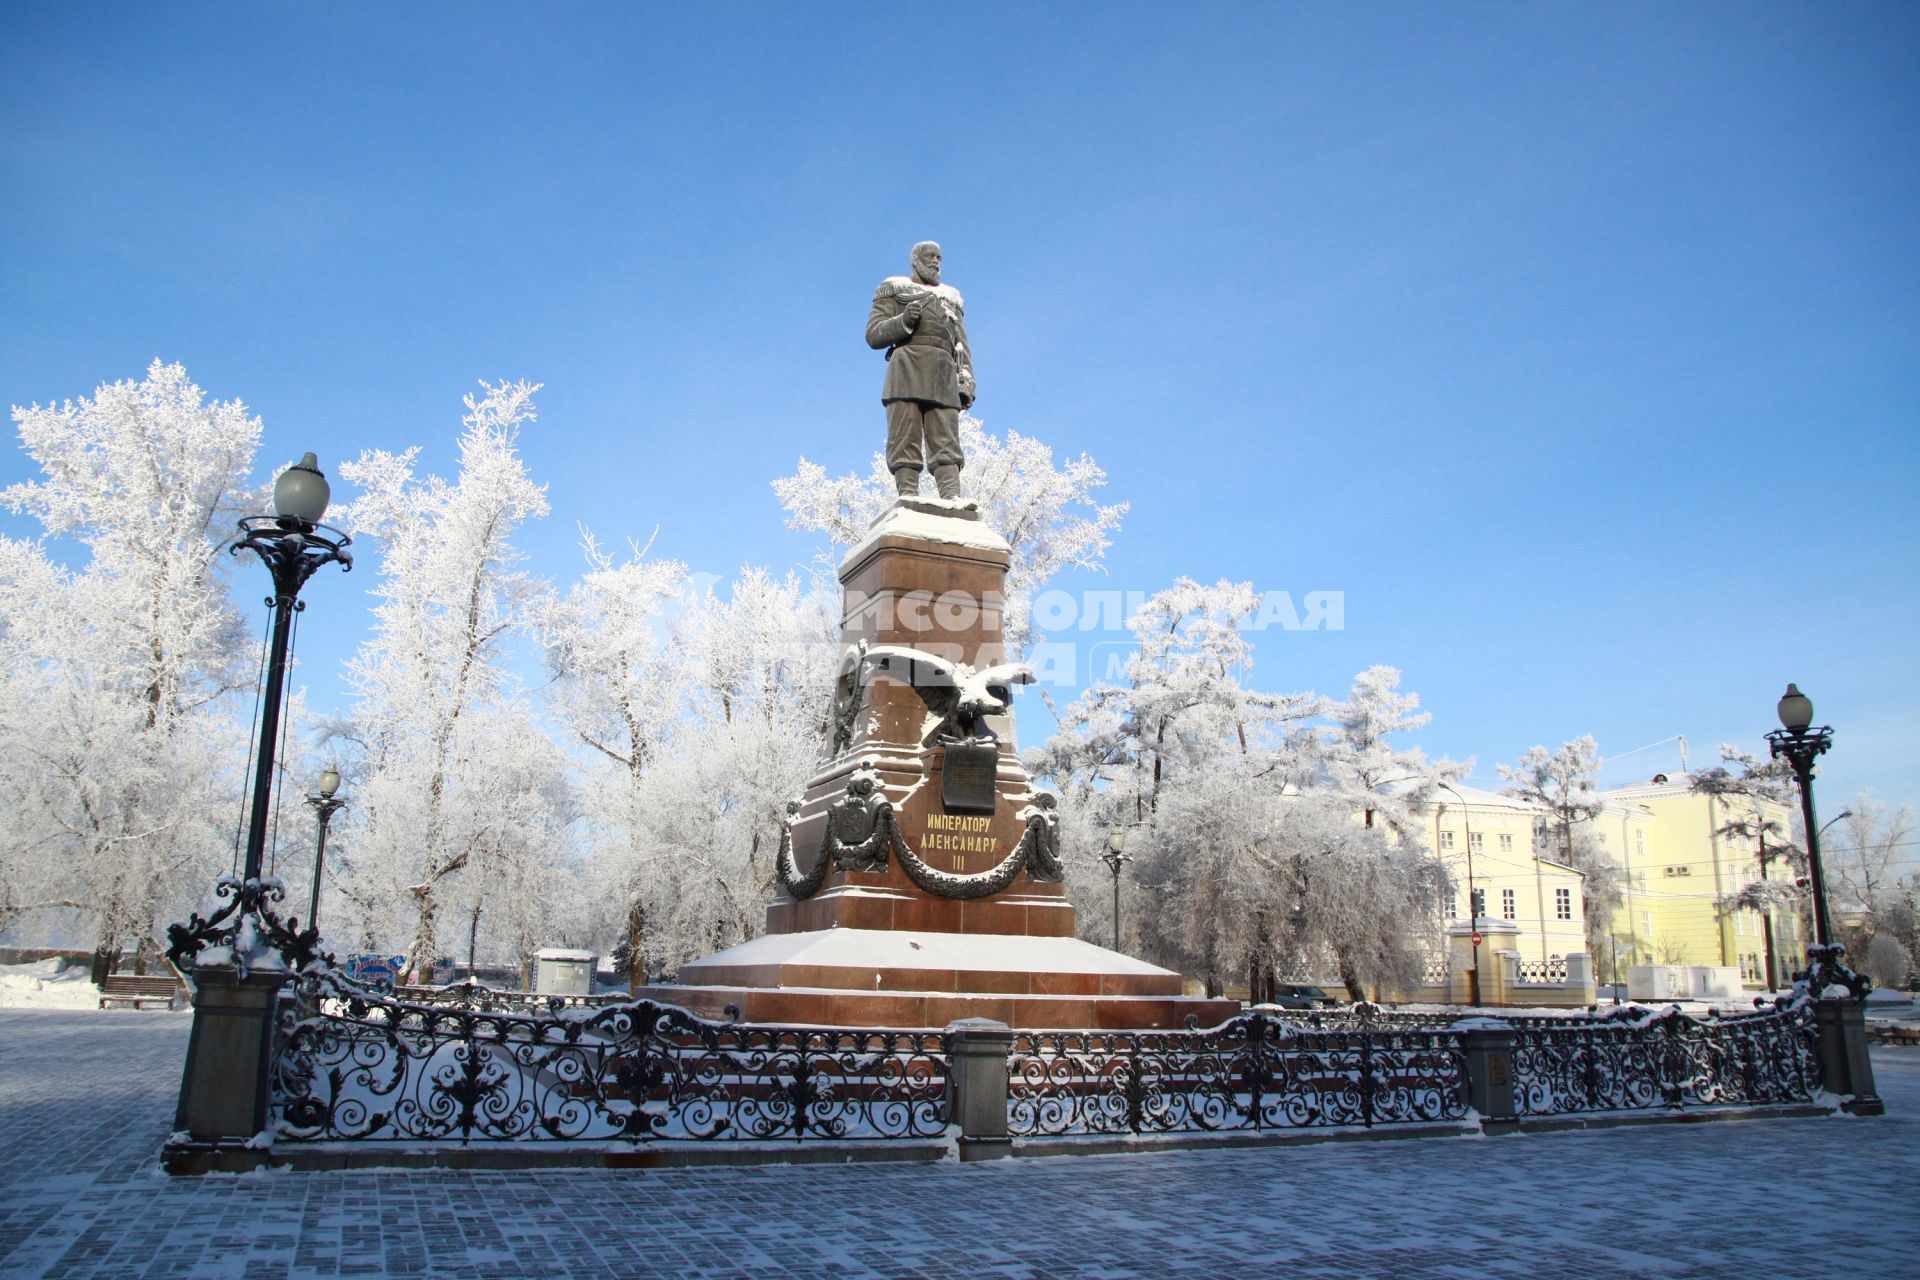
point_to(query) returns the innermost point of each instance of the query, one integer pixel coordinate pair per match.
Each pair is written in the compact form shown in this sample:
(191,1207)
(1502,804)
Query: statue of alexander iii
(920,323)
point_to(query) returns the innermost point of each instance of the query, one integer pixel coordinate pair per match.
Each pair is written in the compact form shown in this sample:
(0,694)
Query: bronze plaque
(1499,1072)
(966,778)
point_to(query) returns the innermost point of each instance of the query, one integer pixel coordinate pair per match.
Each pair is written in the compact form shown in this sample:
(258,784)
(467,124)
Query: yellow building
(1492,836)
(1679,866)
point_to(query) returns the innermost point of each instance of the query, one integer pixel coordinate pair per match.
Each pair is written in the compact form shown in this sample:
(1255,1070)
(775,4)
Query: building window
(1563,904)
(1506,844)
(1446,839)
(1506,904)
(1475,842)
(1640,843)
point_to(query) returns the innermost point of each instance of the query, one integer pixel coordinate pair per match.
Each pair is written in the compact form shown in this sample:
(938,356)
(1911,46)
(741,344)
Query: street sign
(1476,939)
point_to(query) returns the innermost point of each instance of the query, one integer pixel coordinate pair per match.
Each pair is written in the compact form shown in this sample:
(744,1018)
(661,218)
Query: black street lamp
(1116,857)
(325,805)
(1801,745)
(224,1094)
(293,544)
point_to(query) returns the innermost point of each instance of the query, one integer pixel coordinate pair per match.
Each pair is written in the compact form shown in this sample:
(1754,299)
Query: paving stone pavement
(87,1097)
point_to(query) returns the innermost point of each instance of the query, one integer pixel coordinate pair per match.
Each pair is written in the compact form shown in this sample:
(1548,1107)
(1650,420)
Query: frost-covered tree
(1251,811)
(1387,782)
(1046,511)
(1563,784)
(1741,784)
(1179,729)
(700,714)
(616,690)
(117,741)
(1871,899)
(445,777)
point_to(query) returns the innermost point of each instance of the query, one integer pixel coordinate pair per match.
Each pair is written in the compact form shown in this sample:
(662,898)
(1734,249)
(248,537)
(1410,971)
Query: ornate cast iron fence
(355,1065)
(1254,1072)
(1636,1060)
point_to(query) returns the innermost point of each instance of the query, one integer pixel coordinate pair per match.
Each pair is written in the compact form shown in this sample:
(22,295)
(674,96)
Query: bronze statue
(920,324)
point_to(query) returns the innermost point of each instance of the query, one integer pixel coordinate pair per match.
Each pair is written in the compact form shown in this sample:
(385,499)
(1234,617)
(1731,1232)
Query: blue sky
(1575,345)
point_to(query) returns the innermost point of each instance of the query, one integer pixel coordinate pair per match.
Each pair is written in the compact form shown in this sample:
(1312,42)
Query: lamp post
(1801,744)
(1473,907)
(325,805)
(1116,857)
(224,1092)
(293,544)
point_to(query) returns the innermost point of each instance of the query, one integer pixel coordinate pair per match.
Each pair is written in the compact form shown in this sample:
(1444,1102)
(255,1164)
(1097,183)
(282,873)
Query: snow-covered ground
(46,985)
(86,1098)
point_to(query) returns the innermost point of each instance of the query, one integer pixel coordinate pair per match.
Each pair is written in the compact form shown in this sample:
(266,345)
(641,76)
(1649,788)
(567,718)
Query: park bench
(126,988)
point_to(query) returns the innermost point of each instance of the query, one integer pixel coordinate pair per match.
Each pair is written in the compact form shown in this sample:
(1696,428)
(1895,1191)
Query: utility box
(561,971)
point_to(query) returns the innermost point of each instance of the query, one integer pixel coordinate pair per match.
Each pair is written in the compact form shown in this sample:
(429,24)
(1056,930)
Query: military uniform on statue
(919,322)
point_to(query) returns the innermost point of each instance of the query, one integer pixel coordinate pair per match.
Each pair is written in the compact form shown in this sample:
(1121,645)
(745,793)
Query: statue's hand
(912,314)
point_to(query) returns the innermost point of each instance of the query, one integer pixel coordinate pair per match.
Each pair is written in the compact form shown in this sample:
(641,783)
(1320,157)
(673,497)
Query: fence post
(1489,1045)
(977,1050)
(1845,1068)
(224,1087)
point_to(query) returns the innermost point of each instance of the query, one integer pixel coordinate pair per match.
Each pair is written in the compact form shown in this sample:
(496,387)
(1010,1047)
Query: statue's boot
(948,478)
(906,481)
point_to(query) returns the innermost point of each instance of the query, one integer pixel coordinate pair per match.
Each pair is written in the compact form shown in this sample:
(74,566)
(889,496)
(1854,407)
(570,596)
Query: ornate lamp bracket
(293,551)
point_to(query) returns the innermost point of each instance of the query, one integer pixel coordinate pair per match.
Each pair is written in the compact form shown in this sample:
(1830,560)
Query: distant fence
(1541,971)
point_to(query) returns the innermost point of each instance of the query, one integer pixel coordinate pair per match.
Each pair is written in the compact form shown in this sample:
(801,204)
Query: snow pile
(46,984)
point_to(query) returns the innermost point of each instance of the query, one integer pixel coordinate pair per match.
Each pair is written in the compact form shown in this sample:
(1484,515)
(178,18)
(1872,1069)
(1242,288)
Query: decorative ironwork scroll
(1253,1072)
(244,931)
(1635,1060)
(352,1065)
(1827,969)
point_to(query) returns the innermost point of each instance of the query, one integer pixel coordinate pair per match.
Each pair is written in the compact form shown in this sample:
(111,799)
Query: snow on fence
(1636,1060)
(351,1064)
(470,994)
(1253,1072)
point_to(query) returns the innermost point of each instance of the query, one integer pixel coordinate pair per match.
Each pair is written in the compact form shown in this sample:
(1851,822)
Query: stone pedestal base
(223,1090)
(925,980)
(1845,1068)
